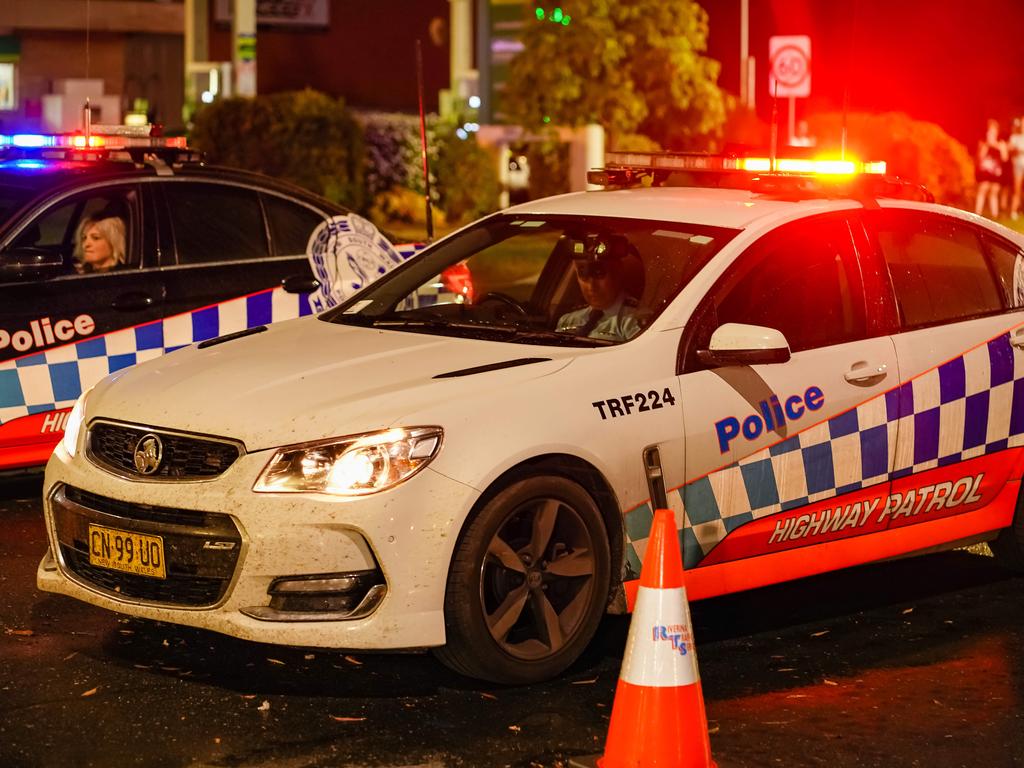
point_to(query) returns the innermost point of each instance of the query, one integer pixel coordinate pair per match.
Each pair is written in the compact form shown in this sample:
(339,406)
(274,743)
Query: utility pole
(745,86)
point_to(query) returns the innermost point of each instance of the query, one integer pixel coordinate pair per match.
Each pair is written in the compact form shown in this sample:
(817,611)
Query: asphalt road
(912,663)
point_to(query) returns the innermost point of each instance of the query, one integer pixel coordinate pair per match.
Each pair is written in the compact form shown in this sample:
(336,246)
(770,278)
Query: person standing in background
(992,153)
(1015,146)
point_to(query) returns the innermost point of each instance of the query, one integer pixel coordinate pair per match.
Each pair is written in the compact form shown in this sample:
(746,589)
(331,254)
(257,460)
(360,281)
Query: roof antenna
(423,141)
(775,129)
(86,109)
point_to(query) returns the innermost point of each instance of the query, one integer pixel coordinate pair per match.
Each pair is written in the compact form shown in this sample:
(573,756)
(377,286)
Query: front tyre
(528,583)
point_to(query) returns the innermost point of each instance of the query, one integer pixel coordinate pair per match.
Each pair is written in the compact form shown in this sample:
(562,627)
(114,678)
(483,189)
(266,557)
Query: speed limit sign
(789,59)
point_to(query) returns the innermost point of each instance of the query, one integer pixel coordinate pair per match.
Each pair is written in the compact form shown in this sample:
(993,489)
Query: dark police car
(201,251)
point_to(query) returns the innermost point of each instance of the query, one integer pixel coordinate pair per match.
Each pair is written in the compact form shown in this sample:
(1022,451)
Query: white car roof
(735,208)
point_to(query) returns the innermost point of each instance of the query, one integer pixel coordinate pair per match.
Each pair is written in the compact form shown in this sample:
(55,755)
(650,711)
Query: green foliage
(304,137)
(464,182)
(549,168)
(633,67)
(915,150)
(465,176)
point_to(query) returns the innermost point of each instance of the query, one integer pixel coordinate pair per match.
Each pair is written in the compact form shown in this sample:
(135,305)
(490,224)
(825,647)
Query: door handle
(864,371)
(132,302)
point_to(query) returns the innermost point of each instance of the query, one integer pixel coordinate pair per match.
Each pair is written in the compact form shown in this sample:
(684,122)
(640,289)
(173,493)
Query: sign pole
(792,118)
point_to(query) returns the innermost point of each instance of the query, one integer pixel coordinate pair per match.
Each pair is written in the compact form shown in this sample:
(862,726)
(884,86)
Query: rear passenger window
(215,222)
(1008,262)
(291,224)
(938,268)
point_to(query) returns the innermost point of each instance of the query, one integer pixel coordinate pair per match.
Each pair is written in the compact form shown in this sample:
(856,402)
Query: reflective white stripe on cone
(660,650)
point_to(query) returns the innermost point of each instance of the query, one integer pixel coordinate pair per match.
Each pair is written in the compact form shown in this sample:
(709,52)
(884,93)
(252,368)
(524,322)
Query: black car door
(229,247)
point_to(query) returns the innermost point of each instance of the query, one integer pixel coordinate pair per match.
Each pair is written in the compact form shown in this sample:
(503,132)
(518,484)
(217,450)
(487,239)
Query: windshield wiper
(512,332)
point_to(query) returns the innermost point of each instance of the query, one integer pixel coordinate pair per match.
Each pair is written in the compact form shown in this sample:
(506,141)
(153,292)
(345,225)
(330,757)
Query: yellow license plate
(127,551)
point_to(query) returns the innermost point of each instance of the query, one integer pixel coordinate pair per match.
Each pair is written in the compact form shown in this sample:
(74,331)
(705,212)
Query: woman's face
(96,249)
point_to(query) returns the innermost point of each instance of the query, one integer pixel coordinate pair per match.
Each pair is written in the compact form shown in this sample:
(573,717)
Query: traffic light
(556,15)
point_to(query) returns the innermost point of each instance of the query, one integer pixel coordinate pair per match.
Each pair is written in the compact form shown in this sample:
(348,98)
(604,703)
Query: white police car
(831,373)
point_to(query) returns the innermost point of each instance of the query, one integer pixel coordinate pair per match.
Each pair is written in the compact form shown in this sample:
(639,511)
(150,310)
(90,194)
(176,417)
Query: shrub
(915,150)
(465,176)
(304,137)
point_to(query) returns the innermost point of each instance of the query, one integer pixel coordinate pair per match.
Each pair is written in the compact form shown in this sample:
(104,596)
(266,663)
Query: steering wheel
(505,299)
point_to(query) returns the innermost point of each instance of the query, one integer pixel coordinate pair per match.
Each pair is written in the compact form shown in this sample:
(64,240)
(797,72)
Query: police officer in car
(611,312)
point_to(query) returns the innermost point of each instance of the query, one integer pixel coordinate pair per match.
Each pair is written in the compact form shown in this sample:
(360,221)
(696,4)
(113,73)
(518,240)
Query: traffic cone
(658,718)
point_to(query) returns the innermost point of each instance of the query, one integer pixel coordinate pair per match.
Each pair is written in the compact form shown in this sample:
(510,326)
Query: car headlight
(73,426)
(351,466)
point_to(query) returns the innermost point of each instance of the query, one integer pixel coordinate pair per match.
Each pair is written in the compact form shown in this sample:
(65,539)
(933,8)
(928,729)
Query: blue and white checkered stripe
(54,379)
(970,406)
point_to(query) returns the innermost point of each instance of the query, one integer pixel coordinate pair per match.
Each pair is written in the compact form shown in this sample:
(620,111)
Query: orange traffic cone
(658,716)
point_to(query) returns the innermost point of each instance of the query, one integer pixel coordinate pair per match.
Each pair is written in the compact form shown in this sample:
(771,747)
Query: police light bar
(640,163)
(95,140)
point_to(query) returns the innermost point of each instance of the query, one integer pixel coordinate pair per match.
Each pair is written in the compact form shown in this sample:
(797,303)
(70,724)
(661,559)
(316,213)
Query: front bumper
(263,567)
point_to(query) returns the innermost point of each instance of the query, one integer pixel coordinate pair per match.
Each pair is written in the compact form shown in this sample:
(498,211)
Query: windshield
(578,281)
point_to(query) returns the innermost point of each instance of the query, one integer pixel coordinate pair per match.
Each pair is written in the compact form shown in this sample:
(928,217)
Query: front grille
(183,458)
(179,590)
(201,549)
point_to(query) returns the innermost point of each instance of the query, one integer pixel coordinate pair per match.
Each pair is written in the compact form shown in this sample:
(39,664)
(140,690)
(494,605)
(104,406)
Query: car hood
(309,379)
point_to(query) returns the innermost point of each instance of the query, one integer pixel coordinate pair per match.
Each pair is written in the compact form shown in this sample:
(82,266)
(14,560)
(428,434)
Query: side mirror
(300,284)
(28,263)
(739,344)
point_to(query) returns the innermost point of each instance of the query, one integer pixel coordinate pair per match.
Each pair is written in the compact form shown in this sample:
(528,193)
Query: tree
(633,67)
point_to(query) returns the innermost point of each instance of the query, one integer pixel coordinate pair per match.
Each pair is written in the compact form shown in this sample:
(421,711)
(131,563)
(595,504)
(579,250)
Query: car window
(540,279)
(11,199)
(938,267)
(291,224)
(800,279)
(215,222)
(1008,263)
(63,227)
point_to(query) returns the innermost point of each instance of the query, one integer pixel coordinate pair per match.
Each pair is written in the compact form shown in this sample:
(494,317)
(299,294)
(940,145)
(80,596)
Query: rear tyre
(1008,547)
(528,584)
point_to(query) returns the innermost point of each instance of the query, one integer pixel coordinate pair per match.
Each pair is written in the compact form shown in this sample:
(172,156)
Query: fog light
(322,597)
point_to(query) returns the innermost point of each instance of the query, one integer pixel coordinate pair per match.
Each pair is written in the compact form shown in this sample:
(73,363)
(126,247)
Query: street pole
(745,84)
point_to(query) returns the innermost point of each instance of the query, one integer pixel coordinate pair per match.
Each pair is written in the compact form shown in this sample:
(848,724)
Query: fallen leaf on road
(337,719)
(584,682)
(907,610)
(489,696)
(353,660)
(90,692)
(786,669)
(713,729)
(830,682)
(248,695)
(819,634)
(797,696)
(264,707)
(70,656)
(19,632)
(275,661)
(515,728)
(309,657)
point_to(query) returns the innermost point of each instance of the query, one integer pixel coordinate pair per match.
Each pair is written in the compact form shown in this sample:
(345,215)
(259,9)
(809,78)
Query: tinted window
(938,267)
(1008,263)
(800,279)
(291,225)
(56,228)
(215,222)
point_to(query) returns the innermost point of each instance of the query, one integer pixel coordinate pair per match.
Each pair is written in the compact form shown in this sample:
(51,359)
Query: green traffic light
(556,16)
(540,14)
(565,20)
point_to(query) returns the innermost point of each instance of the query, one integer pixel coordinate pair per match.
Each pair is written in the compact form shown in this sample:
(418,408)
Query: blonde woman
(99,244)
